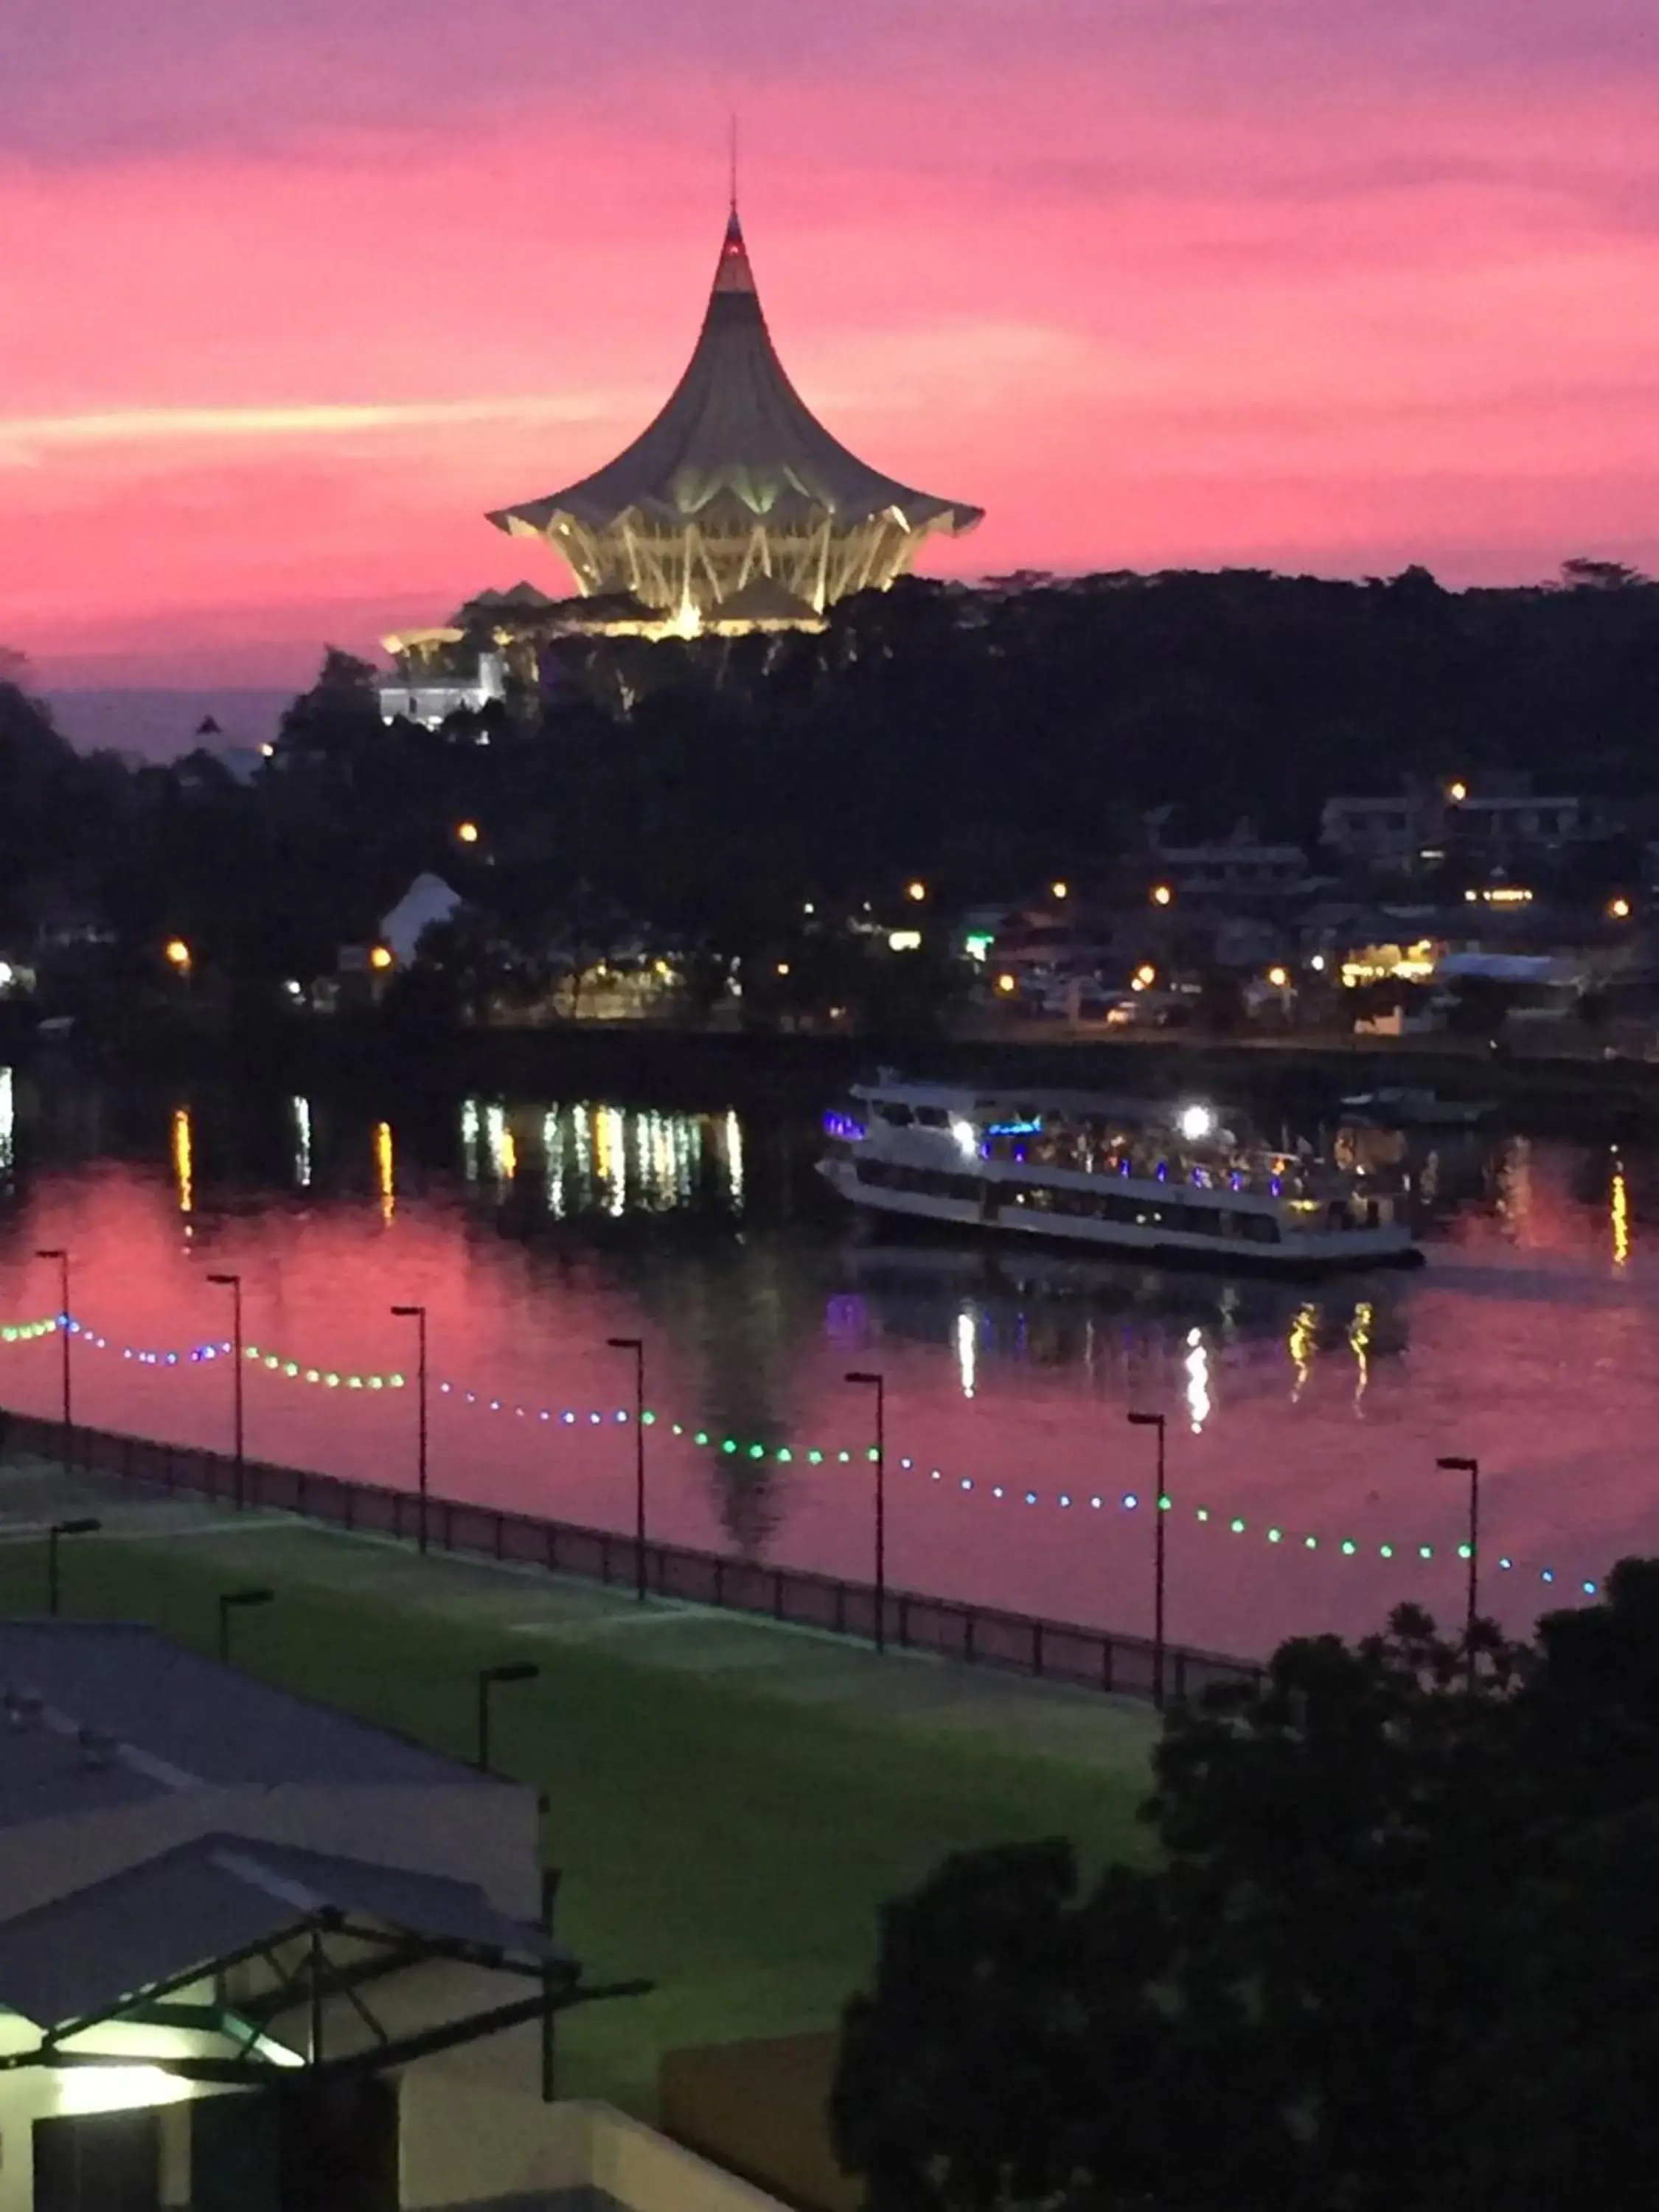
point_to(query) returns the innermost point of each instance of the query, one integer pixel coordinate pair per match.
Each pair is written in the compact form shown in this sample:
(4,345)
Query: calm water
(532,1232)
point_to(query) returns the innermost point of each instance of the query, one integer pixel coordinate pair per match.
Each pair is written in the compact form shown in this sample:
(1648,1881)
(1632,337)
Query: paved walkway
(802,1664)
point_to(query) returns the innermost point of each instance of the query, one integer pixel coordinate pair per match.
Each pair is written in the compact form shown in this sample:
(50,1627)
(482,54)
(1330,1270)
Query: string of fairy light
(753,1452)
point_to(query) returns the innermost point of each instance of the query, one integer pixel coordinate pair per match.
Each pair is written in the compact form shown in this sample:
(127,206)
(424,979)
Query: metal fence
(1017,1643)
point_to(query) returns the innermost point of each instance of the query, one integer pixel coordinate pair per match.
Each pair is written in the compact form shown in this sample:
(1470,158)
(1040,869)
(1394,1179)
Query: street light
(228,1600)
(878,1384)
(418,1315)
(81,1528)
(515,1670)
(234,1284)
(1156,1421)
(915,892)
(57,1252)
(635,1345)
(1453,1464)
(177,955)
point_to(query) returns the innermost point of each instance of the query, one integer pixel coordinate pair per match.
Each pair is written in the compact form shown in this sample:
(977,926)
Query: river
(1303,1424)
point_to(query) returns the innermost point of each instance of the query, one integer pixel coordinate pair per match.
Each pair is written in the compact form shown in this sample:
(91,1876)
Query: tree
(1400,1951)
(340,715)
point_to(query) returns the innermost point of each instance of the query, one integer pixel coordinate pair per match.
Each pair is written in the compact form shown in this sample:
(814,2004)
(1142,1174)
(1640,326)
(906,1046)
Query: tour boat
(1131,1177)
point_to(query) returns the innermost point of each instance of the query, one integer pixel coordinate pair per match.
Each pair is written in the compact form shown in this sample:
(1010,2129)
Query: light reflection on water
(1306,1422)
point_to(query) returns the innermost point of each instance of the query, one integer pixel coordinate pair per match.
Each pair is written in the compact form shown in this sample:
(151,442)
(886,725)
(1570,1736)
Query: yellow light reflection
(501,1152)
(1300,1344)
(385,1164)
(183,1173)
(1359,1343)
(1619,1215)
(966,1351)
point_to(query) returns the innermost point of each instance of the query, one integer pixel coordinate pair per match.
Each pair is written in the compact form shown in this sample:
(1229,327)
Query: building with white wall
(243,1937)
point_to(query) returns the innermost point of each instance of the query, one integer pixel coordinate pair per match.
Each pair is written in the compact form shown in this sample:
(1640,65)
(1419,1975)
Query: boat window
(933,1117)
(924,1182)
(1201,1220)
(1261,1228)
(899,1117)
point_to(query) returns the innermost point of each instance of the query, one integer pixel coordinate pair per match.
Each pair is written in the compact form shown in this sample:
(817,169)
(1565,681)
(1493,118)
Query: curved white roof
(736,426)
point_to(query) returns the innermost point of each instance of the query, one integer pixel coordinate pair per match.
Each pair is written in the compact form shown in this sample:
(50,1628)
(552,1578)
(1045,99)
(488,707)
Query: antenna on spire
(732,162)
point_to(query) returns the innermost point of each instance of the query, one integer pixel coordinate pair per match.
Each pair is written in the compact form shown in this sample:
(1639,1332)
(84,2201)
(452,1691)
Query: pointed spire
(733,273)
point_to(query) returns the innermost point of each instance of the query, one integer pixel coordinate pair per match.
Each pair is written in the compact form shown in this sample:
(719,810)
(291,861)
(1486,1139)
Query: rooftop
(734,429)
(111,1713)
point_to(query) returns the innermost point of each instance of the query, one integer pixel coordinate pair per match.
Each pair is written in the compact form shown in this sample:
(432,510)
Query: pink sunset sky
(293,290)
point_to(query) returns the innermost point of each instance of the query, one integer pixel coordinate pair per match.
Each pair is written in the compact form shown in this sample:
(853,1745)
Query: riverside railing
(1017,1643)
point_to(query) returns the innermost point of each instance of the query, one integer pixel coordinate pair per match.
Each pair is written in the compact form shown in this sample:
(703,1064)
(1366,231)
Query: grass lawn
(730,1844)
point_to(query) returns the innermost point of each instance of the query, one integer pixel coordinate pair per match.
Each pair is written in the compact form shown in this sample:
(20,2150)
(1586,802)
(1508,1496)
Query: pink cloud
(1177,284)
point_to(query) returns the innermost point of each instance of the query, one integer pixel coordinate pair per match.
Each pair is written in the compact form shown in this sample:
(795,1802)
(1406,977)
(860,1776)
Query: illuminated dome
(736,507)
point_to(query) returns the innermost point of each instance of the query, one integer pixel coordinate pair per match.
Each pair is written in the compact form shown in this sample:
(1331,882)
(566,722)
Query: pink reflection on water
(1317,1413)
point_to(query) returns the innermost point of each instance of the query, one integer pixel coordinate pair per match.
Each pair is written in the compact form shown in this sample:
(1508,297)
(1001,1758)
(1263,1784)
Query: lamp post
(515,1670)
(878,1384)
(58,1253)
(85,1526)
(636,1345)
(1454,1464)
(418,1315)
(234,1284)
(228,1602)
(1156,1421)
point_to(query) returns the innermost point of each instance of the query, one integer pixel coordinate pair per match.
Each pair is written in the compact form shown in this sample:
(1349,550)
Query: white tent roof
(735,425)
(428,899)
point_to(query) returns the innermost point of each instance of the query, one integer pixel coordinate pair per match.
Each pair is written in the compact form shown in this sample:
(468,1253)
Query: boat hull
(1306,1254)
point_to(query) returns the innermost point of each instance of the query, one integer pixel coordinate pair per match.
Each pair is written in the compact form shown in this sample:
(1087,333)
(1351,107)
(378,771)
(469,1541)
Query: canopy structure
(735,508)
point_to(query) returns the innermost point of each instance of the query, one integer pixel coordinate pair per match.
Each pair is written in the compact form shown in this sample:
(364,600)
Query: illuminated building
(735,509)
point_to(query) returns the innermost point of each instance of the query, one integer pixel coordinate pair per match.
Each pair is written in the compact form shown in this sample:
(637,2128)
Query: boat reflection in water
(1124,1326)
